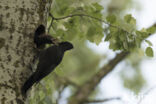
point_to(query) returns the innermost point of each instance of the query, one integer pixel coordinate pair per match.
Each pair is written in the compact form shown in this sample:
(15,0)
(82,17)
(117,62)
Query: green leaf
(148,42)
(48,100)
(151,30)
(114,45)
(141,34)
(125,45)
(108,37)
(98,6)
(42,95)
(111,19)
(59,72)
(129,19)
(98,38)
(91,32)
(149,51)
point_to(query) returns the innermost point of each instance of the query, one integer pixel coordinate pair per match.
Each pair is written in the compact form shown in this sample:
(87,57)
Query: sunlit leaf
(111,19)
(129,19)
(151,30)
(149,51)
(148,42)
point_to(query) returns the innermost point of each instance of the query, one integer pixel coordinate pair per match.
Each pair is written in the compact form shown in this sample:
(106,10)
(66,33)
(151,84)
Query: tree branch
(84,91)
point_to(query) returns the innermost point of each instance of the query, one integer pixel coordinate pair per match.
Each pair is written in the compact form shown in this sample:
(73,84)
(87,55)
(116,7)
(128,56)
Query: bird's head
(40,30)
(66,46)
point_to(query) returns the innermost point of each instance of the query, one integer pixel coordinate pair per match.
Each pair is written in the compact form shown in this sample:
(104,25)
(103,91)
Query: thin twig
(51,23)
(146,93)
(103,100)
(59,93)
(85,15)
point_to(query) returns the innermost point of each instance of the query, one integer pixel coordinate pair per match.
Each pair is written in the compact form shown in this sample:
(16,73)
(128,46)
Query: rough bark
(18,20)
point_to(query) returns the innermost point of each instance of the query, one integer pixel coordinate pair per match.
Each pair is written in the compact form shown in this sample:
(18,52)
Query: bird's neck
(63,49)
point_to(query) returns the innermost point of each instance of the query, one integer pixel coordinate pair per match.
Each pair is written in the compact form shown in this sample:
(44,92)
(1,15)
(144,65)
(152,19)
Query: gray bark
(18,20)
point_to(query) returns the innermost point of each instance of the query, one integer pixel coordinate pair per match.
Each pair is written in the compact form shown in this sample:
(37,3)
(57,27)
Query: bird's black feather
(48,60)
(41,38)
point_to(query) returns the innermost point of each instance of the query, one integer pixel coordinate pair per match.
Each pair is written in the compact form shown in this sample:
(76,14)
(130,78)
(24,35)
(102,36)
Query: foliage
(121,32)
(149,52)
(132,76)
(134,82)
(81,20)
(78,27)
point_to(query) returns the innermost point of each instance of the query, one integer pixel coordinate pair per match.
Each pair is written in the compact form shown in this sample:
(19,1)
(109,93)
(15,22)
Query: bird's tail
(28,84)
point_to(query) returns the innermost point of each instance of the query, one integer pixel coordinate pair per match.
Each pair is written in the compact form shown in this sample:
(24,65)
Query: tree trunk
(18,20)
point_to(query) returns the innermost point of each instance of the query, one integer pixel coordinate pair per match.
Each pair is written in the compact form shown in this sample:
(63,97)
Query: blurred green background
(90,53)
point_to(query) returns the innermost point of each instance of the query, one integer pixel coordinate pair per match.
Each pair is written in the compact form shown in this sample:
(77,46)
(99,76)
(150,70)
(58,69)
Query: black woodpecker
(41,38)
(48,60)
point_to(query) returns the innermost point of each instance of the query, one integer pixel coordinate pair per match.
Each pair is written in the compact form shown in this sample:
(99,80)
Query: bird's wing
(43,73)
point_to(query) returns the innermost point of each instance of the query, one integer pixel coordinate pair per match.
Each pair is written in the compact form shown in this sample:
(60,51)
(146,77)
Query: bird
(49,59)
(41,38)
